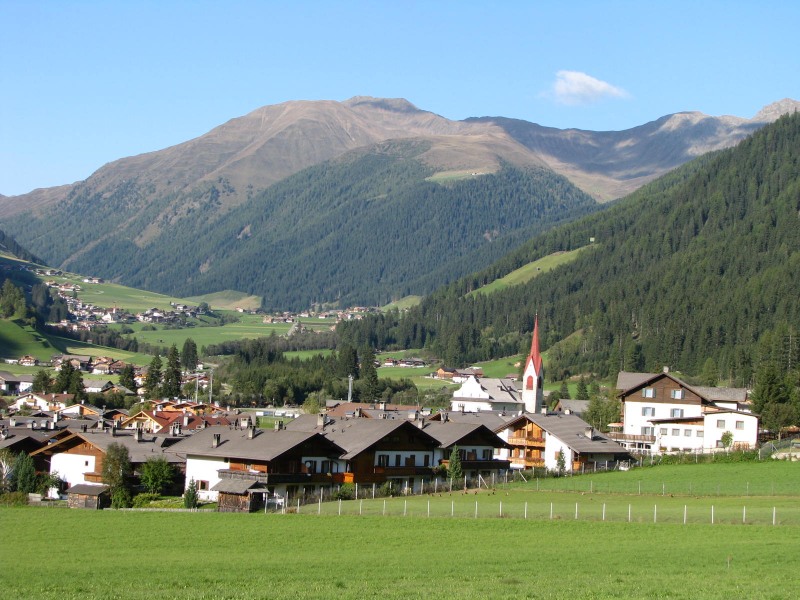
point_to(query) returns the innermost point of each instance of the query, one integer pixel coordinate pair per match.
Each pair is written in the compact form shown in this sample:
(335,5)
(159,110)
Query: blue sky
(86,83)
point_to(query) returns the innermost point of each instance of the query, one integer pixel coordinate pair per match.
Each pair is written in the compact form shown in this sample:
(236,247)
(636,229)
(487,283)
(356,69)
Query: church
(480,394)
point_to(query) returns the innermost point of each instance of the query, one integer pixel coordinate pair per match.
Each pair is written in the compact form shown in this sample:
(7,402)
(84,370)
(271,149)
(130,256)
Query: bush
(347,491)
(14,499)
(144,500)
(121,498)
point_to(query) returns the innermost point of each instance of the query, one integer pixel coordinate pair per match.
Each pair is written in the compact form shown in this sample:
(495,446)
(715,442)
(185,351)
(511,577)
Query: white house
(661,413)
(484,394)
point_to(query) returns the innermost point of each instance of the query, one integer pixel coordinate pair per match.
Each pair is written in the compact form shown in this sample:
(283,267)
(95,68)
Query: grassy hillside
(362,229)
(527,272)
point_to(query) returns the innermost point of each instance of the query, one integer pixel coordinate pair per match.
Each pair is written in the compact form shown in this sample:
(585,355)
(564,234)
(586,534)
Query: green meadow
(527,272)
(143,555)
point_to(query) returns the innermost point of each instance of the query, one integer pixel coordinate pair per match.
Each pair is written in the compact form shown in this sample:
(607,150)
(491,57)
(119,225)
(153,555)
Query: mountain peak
(772,112)
(393,104)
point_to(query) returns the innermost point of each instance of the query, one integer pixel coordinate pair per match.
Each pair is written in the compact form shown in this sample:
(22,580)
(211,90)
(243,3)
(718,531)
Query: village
(492,428)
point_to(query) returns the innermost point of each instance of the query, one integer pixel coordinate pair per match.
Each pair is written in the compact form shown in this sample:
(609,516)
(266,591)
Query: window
(648,393)
(699,433)
(663,431)
(485,454)
(676,432)
(676,413)
(396,460)
(383,460)
(739,424)
(648,430)
(676,394)
(202,485)
(719,444)
(648,411)
(427,460)
(720,423)
(687,433)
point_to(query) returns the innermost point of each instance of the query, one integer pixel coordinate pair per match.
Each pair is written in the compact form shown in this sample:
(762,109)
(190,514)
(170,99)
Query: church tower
(533,376)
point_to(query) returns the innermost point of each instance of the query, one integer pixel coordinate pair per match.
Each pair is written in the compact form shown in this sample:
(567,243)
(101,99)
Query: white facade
(71,467)
(640,413)
(204,471)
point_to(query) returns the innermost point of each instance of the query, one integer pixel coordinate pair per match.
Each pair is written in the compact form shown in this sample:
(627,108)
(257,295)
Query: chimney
(215,440)
(83,428)
(185,420)
(137,434)
(358,412)
(321,420)
(588,432)
(278,425)
(544,410)
(445,417)
(382,405)
(51,425)
(31,424)
(421,422)
(12,422)
(114,429)
(205,423)
(666,369)
(251,431)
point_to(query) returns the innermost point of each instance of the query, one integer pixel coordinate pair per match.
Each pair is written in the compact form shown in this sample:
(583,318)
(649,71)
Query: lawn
(124,555)
(767,478)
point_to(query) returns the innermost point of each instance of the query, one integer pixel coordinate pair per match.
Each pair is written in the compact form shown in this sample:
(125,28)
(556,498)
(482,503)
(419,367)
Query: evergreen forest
(696,271)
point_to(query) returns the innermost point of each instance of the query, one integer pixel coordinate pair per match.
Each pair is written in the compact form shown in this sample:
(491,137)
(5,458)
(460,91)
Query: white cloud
(574,87)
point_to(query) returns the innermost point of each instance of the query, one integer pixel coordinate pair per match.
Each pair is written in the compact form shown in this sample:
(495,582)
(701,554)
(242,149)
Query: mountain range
(360,201)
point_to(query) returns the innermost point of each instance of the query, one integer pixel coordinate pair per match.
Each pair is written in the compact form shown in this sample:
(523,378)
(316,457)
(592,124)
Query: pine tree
(189,355)
(582,392)
(454,470)
(172,374)
(152,383)
(64,378)
(127,377)
(42,383)
(190,499)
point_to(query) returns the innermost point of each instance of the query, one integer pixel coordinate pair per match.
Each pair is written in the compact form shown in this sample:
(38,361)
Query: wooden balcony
(527,463)
(536,442)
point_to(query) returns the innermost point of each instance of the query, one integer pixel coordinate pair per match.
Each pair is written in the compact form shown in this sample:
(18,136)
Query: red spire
(534,355)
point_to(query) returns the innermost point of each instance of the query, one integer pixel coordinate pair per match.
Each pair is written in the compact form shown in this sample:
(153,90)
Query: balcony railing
(525,441)
(631,437)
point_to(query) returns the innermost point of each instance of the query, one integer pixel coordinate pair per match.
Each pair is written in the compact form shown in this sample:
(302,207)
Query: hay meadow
(517,543)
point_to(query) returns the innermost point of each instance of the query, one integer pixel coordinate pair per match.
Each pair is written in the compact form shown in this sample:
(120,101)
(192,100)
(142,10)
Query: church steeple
(533,376)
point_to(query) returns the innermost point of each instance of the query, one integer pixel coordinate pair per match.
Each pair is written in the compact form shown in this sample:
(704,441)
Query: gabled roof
(492,419)
(85,489)
(236,486)
(357,435)
(449,434)
(139,451)
(655,376)
(627,380)
(265,445)
(571,430)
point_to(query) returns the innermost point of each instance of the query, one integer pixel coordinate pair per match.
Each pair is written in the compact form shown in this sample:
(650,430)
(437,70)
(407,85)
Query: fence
(470,507)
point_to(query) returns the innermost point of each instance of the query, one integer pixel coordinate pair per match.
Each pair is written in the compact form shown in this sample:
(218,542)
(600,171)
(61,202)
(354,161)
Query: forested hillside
(698,266)
(362,229)
(10,246)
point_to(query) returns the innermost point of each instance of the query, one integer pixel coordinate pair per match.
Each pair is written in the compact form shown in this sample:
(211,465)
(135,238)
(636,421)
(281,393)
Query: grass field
(527,272)
(767,478)
(109,554)
(403,303)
